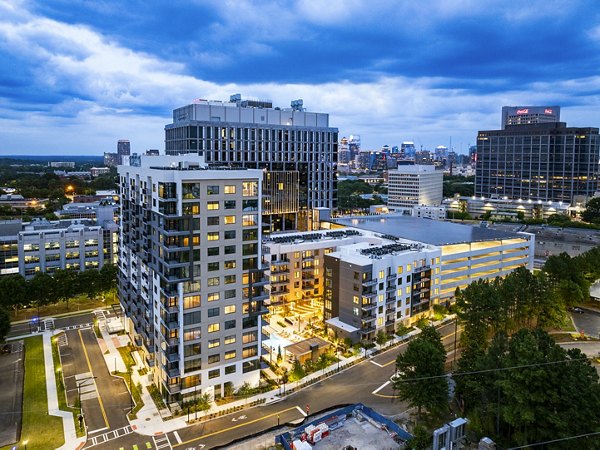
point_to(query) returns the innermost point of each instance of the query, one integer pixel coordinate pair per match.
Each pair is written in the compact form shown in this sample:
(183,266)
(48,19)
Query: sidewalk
(71,439)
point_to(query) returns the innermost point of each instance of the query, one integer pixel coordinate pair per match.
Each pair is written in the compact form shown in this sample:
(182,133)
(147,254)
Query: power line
(597,433)
(499,369)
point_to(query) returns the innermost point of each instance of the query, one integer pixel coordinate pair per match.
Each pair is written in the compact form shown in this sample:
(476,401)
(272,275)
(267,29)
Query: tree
(381,338)
(41,290)
(543,392)
(421,440)
(4,324)
(592,211)
(279,357)
(108,277)
(66,284)
(13,291)
(420,369)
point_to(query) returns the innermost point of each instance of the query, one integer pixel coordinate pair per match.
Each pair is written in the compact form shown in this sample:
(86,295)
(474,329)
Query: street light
(25,443)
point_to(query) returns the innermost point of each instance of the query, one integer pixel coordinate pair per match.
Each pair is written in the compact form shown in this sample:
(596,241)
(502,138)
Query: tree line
(512,380)
(43,289)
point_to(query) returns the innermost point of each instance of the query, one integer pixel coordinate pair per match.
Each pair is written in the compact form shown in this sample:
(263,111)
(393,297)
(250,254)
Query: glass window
(229,249)
(212,343)
(229,204)
(212,190)
(230,339)
(229,220)
(249,220)
(229,234)
(212,266)
(229,279)
(229,324)
(229,189)
(213,251)
(191,302)
(213,281)
(249,188)
(230,354)
(214,359)
(214,220)
(230,309)
(230,293)
(229,264)
(212,236)
(213,327)
(213,296)
(213,312)
(230,369)
(212,206)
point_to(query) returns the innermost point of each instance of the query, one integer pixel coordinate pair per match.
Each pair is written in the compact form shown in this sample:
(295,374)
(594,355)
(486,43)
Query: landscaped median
(134,388)
(40,430)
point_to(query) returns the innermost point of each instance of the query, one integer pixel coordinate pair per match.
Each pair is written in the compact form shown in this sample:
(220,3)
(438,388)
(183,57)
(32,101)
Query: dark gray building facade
(544,161)
(296,149)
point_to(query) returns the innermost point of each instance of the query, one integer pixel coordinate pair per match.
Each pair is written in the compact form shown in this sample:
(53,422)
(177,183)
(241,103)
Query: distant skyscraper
(527,115)
(410,186)
(407,150)
(354,145)
(542,161)
(111,159)
(441,153)
(152,152)
(296,149)
(123,149)
(344,152)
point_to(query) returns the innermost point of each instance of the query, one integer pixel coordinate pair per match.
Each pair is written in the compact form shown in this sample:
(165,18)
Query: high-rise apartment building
(296,149)
(544,161)
(190,278)
(123,149)
(527,115)
(414,185)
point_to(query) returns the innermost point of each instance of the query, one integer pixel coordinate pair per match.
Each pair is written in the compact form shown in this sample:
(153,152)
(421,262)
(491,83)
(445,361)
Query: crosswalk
(109,436)
(161,441)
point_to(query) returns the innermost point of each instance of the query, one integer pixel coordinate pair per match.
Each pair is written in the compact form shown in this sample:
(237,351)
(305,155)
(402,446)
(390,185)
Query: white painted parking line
(381,387)
(376,363)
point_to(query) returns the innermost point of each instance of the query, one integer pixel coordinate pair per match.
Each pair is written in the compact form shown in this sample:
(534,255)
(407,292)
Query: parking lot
(587,322)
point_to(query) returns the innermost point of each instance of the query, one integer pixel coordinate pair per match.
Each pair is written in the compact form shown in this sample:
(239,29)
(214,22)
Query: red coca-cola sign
(547,111)
(522,111)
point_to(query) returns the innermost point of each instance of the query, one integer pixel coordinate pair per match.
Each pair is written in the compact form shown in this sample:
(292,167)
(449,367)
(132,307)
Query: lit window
(212,236)
(355,299)
(212,206)
(213,281)
(408,289)
(214,327)
(230,309)
(249,220)
(214,343)
(400,269)
(229,220)
(408,267)
(213,296)
(230,354)
(380,297)
(229,189)
(230,339)
(250,188)
(381,274)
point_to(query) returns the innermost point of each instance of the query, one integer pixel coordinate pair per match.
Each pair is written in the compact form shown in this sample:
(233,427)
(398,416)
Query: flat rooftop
(428,231)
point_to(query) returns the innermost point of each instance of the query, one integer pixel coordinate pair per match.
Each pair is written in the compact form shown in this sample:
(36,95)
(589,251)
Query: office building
(190,279)
(505,208)
(97,171)
(111,159)
(66,164)
(152,152)
(296,149)
(123,149)
(414,185)
(527,115)
(545,161)
(27,248)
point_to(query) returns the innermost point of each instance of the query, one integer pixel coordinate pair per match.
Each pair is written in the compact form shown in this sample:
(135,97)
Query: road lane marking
(90,367)
(177,437)
(376,363)
(225,430)
(302,411)
(381,387)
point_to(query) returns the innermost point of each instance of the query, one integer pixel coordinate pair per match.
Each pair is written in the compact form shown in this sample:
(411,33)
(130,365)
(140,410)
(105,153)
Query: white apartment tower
(190,278)
(296,149)
(415,185)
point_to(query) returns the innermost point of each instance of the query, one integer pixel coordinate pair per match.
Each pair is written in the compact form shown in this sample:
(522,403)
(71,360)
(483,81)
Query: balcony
(368,318)
(369,306)
(172,357)
(390,300)
(367,329)
(281,262)
(172,341)
(172,373)
(369,283)
(150,361)
(279,282)
(369,294)
(173,388)
(392,277)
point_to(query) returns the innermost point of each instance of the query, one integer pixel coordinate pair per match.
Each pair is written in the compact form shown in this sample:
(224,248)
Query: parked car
(576,310)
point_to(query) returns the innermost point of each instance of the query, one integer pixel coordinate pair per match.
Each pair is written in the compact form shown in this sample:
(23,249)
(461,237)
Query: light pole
(25,443)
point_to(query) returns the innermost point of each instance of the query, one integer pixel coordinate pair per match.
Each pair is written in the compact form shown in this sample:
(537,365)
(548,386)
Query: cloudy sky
(77,75)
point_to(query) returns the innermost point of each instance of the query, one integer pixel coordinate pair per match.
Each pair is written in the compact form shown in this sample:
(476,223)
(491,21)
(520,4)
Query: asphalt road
(11,393)
(366,382)
(588,322)
(104,398)
(21,329)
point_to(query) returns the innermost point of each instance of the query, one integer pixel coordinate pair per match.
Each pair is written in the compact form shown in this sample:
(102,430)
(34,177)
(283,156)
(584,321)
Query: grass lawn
(41,430)
(135,390)
(62,400)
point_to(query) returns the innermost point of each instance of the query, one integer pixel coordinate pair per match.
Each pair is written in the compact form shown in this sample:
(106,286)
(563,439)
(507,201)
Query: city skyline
(78,76)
